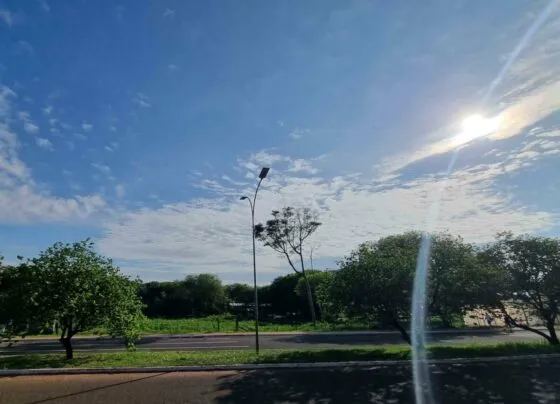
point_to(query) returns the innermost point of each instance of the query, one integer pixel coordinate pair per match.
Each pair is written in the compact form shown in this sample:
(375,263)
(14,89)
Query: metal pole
(255,284)
(255,269)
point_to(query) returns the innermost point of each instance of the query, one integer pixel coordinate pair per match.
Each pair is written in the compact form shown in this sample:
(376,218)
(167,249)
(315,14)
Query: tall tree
(316,280)
(528,276)
(73,286)
(375,281)
(206,293)
(287,233)
(282,300)
(18,299)
(455,277)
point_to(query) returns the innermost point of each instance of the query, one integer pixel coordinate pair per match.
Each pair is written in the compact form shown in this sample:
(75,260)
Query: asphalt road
(286,341)
(509,381)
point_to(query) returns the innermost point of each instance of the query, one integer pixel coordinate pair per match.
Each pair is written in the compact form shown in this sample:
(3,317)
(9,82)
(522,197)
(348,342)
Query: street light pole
(262,176)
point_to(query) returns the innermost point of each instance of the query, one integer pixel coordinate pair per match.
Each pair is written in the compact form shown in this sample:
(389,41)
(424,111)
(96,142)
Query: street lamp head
(264,172)
(243,198)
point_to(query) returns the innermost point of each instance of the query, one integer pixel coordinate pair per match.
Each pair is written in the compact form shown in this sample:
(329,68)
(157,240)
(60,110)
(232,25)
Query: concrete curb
(263,366)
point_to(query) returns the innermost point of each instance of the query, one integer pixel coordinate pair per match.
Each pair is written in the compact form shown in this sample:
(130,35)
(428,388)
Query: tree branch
(522,326)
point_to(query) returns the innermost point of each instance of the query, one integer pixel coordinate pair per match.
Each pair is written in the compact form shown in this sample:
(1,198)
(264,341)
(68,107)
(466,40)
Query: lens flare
(476,126)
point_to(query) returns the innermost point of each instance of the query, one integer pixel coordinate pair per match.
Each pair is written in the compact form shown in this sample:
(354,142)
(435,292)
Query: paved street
(324,340)
(510,381)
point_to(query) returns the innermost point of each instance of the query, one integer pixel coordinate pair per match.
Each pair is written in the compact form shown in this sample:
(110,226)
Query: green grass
(227,324)
(185,358)
(215,324)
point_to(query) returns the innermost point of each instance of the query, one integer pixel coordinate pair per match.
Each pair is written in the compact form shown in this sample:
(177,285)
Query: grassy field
(227,324)
(224,324)
(208,325)
(147,358)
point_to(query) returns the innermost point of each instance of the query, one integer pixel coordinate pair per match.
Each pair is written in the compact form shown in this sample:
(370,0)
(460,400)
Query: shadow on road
(493,382)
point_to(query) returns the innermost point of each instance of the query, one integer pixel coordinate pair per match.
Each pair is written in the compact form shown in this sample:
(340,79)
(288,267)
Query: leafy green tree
(286,233)
(455,277)
(125,317)
(527,275)
(206,293)
(239,293)
(196,295)
(375,280)
(240,297)
(17,300)
(316,280)
(281,299)
(73,286)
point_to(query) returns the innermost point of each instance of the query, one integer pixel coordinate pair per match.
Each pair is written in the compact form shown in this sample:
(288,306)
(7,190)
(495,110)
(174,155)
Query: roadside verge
(170,361)
(265,366)
(466,331)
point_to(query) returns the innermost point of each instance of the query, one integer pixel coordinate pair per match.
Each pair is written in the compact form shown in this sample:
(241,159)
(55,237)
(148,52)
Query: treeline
(70,288)
(204,294)
(374,284)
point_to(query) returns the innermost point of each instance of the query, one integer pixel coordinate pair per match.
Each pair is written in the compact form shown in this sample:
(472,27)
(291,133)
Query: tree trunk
(553,336)
(404,333)
(67,344)
(445,320)
(310,299)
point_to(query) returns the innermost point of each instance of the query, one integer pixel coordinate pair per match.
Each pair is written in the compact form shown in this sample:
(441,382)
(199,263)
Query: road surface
(510,381)
(267,341)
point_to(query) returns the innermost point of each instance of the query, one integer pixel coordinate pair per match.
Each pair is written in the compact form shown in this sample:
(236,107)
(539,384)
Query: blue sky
(139,124)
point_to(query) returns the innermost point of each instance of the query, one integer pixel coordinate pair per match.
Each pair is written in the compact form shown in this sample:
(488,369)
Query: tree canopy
(286,233)
(73,287)
(528,275)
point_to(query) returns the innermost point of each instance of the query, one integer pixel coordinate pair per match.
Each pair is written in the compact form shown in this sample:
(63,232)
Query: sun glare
(476,126)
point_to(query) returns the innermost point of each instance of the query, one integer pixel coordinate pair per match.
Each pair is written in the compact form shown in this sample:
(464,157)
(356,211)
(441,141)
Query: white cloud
(80,136)
(6,94)
(111,147)
(172,66)
(301,165)
(44,5)
(28,124)
(12,169)
(20,199)
(141,100)
(24,116)
(44,143)
(169,13)
(528,94)
(119,191)
(24,48)
(104,169)
(23,205)
(210,234)
(298,133)
(87,127)
(7,17)
(48,109)
(30,127)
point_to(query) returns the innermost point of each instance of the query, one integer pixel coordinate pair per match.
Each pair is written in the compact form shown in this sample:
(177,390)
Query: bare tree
(286,234)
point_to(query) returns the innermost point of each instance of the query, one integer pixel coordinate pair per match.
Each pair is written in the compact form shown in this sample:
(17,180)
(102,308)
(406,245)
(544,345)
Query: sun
(476,126)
